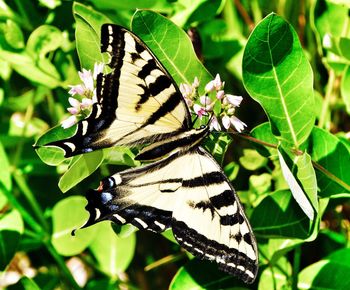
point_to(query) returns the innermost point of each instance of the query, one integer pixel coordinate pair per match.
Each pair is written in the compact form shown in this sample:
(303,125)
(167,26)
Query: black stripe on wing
(203,248)
(102,206)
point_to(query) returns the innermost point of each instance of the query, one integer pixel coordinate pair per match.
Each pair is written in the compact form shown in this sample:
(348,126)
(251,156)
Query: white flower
(214,124)
(69,122)
(86,103)
(209,87)
(185,90)
(199,110)
(226,122)
(234,100)
(195,84)
(220,94)
(87,78)
(73,111)
(237,123)
(76,90)
(218,84)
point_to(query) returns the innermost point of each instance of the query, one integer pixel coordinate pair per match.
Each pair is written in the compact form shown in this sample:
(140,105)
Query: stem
(19,149)
(26,216)
(166,260)
(22,10)
(59,260)
(22,184)
(296,267)
(244,14)
(327,99)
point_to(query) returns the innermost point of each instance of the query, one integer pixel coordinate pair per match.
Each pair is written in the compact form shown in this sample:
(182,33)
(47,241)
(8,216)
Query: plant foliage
(291,63)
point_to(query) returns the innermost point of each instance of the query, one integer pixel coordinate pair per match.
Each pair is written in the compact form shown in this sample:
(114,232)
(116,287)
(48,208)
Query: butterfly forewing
(189,193)
(138,101)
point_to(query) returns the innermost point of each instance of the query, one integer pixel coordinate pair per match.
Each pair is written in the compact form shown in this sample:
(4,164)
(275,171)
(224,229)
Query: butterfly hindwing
(138,101)
(189,193)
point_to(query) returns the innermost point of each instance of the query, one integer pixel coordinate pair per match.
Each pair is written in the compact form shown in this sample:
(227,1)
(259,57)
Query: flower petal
(74,102)
(69,122)
(73,110)
(87,79)
(226,121)
(195,83)
(76,90)
(220,94)
(218,83)
(205,100)
(86,103)
(237,123)
(209,87)
(214,124)
(234,100)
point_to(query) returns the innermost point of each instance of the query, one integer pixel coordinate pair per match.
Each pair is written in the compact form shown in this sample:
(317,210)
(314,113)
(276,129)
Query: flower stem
(60,261)
(23,186)
(296,266)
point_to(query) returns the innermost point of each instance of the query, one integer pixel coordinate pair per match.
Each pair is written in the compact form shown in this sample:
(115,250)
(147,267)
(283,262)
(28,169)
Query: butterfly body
(185,189)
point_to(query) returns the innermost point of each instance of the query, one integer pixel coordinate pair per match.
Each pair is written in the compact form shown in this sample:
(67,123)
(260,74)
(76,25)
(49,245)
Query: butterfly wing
(189,193)
(138,102)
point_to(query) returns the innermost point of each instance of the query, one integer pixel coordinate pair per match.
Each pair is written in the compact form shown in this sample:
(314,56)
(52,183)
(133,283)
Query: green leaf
(260,184)
(82,166)
(345,88)
(13,34)
(198,275)
(217,145)
(5,176)
(28,284)
(331,272)
(277,74)
(300,176)
(329,152)
(112,253)
(325,150)
(87,35)
(30,69)
(11,229)
(274,277)
(160,6)
(53,155)
(68,215)
(172,47)
(251,160)
(278,215)
(44,39)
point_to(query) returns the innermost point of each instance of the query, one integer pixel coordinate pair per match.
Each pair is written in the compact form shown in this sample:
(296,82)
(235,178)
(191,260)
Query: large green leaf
(87,35)
(199,275)
(325,150)
(68,215)
(277,74)
(113,253)
(171,45)
(329,152)
(278,215)
(81,167)
(330,273)
(300,176)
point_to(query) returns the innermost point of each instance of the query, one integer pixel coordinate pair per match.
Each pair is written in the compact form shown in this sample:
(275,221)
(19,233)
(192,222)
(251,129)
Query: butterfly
(184,189)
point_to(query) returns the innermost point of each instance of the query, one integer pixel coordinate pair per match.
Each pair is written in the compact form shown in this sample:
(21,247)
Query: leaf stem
(244,14)
(327,98)
(315,164)
(60,261)
(23,186)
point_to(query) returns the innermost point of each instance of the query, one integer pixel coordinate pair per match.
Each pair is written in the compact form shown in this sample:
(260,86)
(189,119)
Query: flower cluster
(86,94)
(214,103)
